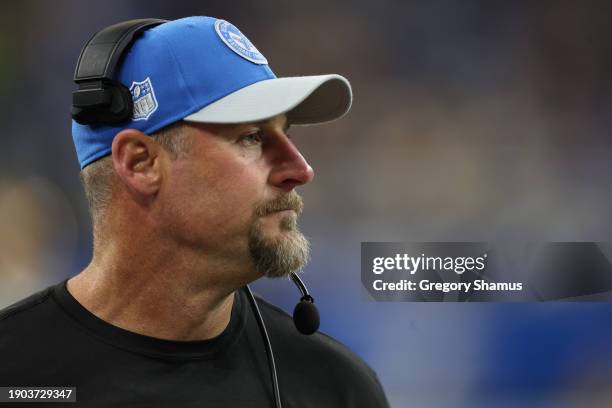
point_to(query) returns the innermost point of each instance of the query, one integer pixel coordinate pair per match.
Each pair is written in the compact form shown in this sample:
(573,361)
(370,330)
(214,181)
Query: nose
(289,168)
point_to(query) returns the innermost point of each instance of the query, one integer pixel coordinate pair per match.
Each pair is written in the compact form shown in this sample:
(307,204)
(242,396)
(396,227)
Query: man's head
(217,173)
(226,190)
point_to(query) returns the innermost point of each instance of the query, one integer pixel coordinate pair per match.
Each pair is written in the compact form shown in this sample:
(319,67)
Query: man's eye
(251,138)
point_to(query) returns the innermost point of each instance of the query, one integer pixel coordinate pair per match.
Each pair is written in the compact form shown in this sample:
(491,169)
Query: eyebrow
(286,126)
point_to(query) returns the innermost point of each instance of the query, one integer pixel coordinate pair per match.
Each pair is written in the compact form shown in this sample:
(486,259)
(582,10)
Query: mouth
(279,221)
(285,211)
(283,204)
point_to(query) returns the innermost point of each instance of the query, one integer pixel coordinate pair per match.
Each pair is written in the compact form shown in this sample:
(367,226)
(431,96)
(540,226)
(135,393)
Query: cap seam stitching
(179,68)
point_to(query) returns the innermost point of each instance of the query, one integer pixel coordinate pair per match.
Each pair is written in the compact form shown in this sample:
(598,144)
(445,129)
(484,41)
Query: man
(182,220)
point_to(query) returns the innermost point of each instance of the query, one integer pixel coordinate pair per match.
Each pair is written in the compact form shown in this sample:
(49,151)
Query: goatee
(278,257)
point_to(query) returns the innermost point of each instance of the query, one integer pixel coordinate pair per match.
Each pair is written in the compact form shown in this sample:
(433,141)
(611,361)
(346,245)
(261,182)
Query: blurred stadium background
(473,120)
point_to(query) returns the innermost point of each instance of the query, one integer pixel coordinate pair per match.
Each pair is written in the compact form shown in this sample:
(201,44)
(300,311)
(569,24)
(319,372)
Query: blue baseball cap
(203,69)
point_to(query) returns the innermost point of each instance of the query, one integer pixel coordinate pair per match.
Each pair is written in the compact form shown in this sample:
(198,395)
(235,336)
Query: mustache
(288,201)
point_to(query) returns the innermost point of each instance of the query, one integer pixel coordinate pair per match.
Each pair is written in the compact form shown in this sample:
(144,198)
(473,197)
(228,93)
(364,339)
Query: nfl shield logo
(144,99)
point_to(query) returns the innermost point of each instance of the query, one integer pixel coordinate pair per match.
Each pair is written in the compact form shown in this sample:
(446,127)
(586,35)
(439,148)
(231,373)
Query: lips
(281,210)
(291,201)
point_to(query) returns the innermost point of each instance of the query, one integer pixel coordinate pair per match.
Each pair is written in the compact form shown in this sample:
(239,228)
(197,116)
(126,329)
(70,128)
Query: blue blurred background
(472,120)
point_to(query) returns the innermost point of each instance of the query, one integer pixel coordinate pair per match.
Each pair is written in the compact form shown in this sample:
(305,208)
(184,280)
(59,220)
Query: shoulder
(28,308)
(24,323)
(24,331)
(321,355)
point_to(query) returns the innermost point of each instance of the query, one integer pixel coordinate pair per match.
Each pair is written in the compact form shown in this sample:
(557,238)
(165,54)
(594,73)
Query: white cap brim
(305,100)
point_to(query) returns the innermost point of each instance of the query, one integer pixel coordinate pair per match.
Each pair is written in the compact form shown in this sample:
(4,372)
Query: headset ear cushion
(122,106)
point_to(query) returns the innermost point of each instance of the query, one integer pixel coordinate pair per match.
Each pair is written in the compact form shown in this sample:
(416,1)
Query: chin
(279,252)
(278,237)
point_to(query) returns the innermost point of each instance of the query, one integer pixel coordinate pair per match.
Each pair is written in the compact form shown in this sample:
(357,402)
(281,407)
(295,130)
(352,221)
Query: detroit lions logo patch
(144,99)
(237,42)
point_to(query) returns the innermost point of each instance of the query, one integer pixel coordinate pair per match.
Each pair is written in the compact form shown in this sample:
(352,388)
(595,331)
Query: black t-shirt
(49,339)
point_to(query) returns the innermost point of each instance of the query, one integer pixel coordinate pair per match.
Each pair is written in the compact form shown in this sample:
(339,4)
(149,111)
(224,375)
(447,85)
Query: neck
(164,292)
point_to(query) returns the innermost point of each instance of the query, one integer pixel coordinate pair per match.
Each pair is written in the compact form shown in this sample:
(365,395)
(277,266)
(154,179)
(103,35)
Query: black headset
(102,100)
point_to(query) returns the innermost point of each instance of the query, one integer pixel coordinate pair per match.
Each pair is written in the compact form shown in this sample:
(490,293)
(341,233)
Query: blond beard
(279,257)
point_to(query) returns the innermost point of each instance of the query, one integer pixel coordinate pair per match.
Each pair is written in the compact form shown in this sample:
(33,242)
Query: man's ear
(137,162)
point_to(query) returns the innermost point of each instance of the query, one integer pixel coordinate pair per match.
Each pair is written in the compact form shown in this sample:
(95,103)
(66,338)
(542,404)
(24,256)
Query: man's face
(232,196)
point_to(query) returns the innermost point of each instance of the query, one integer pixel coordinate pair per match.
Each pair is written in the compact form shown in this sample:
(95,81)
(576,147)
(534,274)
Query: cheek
(212,203)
